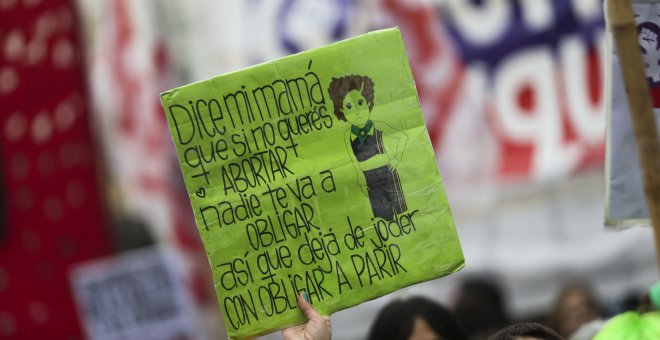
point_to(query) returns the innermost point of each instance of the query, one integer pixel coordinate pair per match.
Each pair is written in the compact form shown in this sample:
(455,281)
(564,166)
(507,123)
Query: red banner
(52,214)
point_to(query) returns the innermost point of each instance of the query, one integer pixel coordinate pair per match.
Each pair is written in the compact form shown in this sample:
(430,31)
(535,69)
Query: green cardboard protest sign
(313,173)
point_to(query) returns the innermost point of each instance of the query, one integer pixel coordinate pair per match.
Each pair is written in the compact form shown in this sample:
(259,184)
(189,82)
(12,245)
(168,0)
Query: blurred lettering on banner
(511,90)
(142,174)
(136,295)
(625,204)
(530,88)
(313,173)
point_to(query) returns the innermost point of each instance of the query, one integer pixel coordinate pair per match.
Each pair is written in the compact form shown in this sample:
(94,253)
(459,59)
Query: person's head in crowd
(415,318)
(526,331)
(631,301)
(631,326)
(479,308)
(575,306)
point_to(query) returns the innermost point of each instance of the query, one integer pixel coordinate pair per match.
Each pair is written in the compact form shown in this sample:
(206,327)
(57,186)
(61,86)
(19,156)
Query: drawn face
(356,108)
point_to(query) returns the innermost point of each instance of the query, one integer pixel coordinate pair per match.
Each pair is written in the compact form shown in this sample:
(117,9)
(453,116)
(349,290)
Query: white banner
(625,204)
(139,295)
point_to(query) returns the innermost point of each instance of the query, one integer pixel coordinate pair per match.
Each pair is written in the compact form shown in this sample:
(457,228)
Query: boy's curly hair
(339,87)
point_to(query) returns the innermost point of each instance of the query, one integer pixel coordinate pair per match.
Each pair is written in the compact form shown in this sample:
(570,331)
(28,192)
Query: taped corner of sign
(166,96)
(390,30)
(616,225)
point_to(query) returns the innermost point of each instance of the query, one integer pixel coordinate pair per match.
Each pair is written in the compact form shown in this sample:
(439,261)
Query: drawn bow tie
(363,132)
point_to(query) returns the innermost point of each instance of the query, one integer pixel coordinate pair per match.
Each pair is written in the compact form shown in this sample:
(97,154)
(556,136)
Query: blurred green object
(654,295)
(631,326)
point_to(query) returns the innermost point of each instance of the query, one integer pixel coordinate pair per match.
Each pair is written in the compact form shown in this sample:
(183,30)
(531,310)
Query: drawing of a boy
(375,147)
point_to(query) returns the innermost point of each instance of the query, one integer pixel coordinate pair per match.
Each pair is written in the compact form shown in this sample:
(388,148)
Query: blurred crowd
(480,312)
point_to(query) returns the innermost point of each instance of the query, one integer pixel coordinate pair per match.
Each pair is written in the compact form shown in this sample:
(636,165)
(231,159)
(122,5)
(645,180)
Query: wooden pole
(624,29)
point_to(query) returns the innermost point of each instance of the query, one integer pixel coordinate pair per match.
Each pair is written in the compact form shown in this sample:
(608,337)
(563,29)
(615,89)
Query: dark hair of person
(590,303)
(528,329)
(395,321)
(480,308)
(340,87)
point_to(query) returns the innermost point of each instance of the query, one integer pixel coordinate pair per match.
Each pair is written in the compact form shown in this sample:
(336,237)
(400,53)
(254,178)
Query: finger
(307,308)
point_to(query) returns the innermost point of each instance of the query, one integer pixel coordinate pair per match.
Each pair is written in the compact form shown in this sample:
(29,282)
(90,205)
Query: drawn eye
(349,106)
(360,102)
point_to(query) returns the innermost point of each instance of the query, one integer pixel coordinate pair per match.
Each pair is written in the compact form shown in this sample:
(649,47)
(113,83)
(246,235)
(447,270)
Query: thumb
(307,308)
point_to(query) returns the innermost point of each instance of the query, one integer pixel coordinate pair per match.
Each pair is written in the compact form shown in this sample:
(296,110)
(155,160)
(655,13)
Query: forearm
(374,162)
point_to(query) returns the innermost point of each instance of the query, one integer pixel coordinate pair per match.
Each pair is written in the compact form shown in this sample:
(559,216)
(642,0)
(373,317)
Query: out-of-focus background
(93,208)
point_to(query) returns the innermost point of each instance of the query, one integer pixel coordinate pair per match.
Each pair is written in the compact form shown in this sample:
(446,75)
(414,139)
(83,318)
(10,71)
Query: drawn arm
(361,181)
(394,142)
(374,162)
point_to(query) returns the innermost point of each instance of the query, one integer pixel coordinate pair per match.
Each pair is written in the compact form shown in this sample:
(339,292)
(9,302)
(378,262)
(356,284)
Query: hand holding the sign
(316,328)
